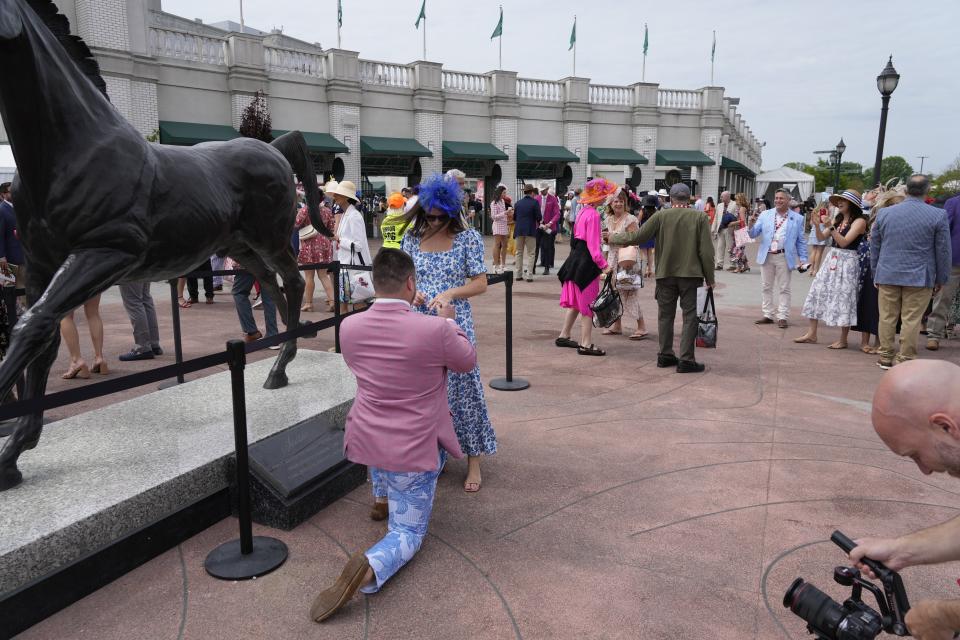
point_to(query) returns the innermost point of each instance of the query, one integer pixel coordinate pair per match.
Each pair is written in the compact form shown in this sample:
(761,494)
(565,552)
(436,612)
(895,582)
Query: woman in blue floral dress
(450,270)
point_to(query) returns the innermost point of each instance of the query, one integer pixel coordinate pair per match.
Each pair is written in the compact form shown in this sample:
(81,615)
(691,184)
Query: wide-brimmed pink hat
(597,190)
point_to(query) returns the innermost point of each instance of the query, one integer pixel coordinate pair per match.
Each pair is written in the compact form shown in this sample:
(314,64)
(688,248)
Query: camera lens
(818,609)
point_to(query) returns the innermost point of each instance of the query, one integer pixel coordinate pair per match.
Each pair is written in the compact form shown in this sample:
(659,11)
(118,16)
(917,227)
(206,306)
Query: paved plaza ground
(625,501)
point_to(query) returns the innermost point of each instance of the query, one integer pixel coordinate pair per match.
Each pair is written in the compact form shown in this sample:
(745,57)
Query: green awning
(190,133)
(544,153)
(602,155)
(471,151)
(736,167)
(683,158)
(405,147)
(318,142)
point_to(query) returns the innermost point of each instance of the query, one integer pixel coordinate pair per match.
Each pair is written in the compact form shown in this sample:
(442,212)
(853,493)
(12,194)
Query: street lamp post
(841,147)
(887,83)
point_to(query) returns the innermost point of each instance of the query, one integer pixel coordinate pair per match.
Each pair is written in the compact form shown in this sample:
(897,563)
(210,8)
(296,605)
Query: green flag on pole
(646,40)
(423,14)
(499,30)
(339,13)
(573,35)
(713,49)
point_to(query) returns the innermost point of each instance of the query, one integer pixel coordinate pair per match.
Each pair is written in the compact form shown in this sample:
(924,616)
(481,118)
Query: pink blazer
(400,417)
(551,215)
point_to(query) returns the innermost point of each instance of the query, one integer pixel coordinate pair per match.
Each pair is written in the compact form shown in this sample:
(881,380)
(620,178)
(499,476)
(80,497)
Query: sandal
(592,350)
(472,487)
(842,345)
(868,349)
(805,339)
(329,306)
(307,308)
(184,304)
(611,332)
(77,371)
(566,342)
(100,367)
(639,335)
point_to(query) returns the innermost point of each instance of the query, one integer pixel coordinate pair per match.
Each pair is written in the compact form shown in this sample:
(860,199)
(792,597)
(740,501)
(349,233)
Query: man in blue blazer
(783,248)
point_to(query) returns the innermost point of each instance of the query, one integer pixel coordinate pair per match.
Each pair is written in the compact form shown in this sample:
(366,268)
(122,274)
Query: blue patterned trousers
(410,496)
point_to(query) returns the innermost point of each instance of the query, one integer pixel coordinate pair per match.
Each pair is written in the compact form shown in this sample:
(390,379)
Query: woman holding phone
(450,270)
(819,218)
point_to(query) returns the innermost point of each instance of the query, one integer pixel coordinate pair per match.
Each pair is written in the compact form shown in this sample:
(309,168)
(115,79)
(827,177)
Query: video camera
(827,619)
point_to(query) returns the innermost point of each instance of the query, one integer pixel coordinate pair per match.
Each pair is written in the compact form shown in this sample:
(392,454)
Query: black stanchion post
(177,342)
(336,305)
(250,556)
(509,383)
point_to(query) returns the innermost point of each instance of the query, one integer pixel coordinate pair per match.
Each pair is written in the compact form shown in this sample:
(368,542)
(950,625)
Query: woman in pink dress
(315,250)
(581,270)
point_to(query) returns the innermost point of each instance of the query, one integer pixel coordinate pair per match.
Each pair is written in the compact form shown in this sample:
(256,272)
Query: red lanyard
(777,223)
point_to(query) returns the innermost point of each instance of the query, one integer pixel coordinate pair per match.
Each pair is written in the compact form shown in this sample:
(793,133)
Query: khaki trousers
(937,320)
(526,253)
(775,278)
(908,305)
(722,247)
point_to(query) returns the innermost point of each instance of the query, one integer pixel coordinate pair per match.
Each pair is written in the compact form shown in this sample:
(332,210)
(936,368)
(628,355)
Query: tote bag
(742,237)
(707,324)
(359,283)
(607,308)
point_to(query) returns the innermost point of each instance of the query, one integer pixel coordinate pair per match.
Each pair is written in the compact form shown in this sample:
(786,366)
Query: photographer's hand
(889,551)
(933,619)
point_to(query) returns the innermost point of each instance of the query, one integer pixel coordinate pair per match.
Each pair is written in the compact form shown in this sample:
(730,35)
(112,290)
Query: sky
(805,71)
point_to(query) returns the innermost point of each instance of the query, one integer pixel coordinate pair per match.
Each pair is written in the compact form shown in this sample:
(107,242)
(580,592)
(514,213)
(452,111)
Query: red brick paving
(626,501)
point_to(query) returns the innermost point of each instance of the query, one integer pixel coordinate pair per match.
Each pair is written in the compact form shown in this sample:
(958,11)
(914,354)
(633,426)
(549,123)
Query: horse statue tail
(294,149)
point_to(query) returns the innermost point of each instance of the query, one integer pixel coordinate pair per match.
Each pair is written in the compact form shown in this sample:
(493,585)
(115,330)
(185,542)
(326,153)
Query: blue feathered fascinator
(441,191)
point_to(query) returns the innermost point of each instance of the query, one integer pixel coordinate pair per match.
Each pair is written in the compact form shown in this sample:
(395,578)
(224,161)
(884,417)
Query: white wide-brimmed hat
(544,185)
(346,189)
(663,193)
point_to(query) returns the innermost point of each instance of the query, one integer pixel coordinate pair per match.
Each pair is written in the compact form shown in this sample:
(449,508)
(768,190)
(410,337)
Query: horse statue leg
(36,339)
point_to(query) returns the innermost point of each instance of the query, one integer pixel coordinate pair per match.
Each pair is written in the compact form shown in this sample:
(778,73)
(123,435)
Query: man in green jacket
(684,260)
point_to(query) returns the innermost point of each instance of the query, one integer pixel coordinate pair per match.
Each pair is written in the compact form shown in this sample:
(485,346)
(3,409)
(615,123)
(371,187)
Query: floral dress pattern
(319,248)
(438,272)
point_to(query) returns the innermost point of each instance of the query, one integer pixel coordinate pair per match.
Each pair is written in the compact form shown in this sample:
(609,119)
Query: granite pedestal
(103,476)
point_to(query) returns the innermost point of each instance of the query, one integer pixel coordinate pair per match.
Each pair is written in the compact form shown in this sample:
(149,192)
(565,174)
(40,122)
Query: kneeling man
(400,424)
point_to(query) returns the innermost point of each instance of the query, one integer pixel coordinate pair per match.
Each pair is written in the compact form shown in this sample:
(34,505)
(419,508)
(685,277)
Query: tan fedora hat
(346,189)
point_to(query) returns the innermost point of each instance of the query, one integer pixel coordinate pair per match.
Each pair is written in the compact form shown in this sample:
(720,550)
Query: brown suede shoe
(380,511)
(330,600)
(933,344)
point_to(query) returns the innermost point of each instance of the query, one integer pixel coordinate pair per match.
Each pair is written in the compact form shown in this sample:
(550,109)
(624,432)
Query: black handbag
(707,324)
(608,307)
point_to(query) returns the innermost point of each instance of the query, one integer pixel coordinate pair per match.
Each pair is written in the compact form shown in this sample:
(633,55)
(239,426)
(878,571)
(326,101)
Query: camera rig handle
(896,601)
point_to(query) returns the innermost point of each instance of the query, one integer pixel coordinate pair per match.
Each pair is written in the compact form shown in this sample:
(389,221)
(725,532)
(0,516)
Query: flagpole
(241,16)
(713,54)
(339,20)
(574,45)
(643,74)
(424,38)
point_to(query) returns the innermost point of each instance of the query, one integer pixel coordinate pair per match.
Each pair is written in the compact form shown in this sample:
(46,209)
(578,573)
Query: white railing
(186,46)
(542,90)
(290,61)
(607,94)
(678,99)
(385,73)
(461,82)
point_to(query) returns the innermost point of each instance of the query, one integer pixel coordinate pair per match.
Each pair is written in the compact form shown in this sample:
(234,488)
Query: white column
(503,135)
(709,177)
(576,136)
(645,143)
(345,127)
(428,130)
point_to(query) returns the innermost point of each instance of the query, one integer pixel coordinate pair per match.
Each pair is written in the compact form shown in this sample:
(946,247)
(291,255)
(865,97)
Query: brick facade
(576,136)
(645,143)
(503,135)
(345,126)
(428,131)
(709,177)
(103,23)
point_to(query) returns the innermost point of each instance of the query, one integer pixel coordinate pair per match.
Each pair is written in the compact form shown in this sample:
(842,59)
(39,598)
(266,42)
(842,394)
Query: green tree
(948,182)
(890,167)
(824,174)
(256,121)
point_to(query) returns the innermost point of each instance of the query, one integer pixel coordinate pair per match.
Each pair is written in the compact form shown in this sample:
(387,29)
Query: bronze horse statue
(97,205)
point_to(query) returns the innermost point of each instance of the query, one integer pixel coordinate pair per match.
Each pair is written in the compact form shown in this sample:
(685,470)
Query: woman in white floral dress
(833,295)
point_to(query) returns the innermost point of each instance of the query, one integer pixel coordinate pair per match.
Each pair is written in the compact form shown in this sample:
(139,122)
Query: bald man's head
(916,412)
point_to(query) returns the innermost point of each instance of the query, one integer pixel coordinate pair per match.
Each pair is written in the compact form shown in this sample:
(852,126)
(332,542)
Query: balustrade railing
(385,73)
(461,82)
(292,61)
(608,94)
(542,90)
(165,43)
(678,99)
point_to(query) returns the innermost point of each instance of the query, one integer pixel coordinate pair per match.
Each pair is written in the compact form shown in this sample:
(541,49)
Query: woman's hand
(419,299)
(441,301)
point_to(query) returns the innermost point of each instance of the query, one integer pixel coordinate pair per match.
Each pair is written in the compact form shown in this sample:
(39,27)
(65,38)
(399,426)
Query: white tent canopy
(784,176)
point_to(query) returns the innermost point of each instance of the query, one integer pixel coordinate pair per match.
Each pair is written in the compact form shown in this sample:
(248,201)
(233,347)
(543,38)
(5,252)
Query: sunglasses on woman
(433,218)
